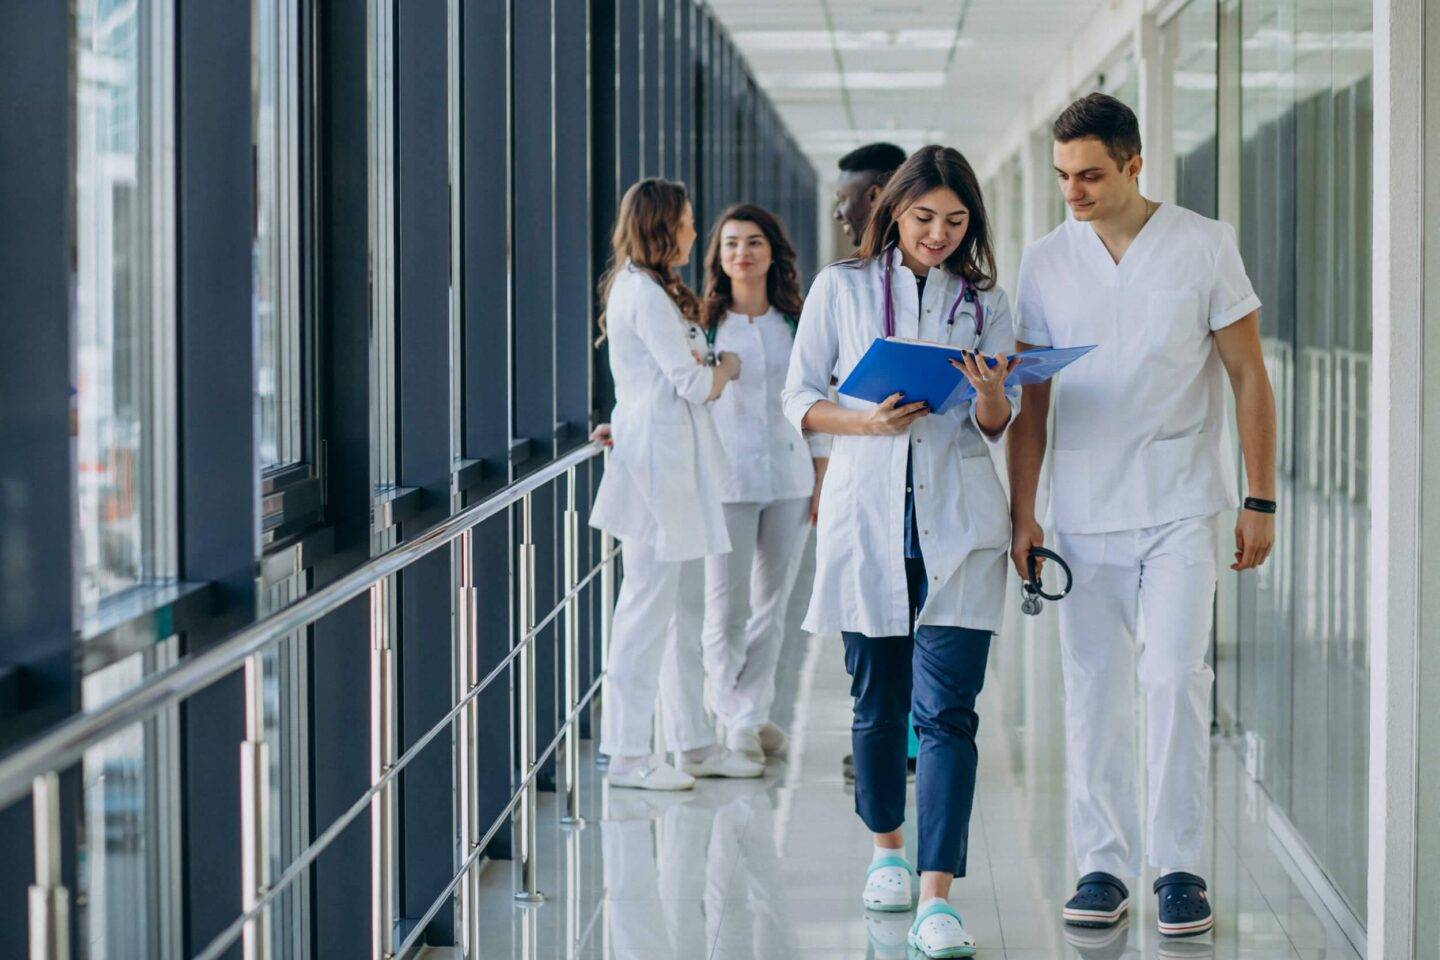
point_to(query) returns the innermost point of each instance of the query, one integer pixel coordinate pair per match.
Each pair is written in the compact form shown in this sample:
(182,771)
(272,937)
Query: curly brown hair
(782,285)
(645,235)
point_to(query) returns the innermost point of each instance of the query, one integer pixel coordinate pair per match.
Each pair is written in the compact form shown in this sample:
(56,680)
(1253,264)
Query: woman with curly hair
(751,306)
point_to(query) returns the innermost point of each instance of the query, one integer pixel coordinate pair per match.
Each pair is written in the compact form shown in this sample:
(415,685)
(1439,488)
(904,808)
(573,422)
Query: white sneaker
(747,743)
(887,885)
(655,775)
(939,932)
(724,763)
(773,740)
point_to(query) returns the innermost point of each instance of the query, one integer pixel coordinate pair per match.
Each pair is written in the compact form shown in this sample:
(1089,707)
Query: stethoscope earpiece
(1032,590)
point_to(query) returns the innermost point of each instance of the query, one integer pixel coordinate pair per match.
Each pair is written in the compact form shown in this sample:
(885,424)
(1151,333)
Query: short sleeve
(1231,294)
(1030,326)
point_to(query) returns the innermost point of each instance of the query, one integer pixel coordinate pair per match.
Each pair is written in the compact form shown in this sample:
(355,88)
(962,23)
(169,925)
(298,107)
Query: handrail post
(525,810)
(607,610)
(571,816)
(382,756)
(467,675)
(255,811)
(49,900)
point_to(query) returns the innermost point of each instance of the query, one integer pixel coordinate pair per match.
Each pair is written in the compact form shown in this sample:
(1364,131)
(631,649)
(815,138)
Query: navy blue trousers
(935,674)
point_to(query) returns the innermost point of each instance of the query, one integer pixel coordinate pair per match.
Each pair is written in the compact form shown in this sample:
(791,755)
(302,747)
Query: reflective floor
(773,868)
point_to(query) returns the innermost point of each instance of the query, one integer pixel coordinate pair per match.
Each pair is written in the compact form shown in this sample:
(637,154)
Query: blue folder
(921,371)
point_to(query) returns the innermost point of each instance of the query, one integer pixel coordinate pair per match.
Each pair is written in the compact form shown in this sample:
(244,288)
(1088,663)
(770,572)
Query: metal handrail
(330,834)
(66,744)
(495,824)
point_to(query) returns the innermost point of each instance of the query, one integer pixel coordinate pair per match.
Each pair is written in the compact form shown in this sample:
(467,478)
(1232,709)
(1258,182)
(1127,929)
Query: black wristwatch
(1260,506)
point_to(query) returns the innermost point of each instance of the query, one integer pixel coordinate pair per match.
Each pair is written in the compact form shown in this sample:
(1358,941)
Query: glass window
(124,293)
(1305,235)
(1191,57)
(277,292)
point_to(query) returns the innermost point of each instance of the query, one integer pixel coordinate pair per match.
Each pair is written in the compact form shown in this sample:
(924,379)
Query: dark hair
(930,168)
(782,286)
(1102,117)
(645,235)
(879,158)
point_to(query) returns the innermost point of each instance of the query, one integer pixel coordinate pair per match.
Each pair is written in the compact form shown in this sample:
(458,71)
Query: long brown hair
(645,235)
(927,169)
(782,286)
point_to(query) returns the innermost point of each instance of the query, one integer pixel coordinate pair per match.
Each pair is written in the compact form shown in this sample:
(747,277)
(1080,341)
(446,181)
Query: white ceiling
(847,72)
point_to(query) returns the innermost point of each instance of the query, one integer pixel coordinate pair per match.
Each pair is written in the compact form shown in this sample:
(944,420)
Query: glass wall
(1190,52)
(1292,653)
(123,319)
(275,79)
(1305,235)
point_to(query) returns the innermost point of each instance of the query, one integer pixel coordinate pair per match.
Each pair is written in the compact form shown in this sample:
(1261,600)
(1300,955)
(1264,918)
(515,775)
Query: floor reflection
(773,868)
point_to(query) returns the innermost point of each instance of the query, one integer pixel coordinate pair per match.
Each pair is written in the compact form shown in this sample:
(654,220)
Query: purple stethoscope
(965,294)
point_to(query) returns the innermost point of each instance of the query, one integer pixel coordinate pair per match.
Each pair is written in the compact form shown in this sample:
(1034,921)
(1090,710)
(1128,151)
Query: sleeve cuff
(1030,335)
(1242,309)
(994,441)
(819,444)
(796,408)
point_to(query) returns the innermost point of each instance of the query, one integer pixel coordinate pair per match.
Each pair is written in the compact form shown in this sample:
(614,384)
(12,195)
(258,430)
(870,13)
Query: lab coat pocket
(988,512)
(1173,317)
(670,466)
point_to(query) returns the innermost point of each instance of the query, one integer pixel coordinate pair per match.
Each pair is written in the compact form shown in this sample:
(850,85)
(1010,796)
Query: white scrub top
(1141,433)
(769,459)
(662,485)
(961,512)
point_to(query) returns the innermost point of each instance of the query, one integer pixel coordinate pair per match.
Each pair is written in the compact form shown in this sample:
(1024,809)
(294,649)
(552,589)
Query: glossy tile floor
(773,868)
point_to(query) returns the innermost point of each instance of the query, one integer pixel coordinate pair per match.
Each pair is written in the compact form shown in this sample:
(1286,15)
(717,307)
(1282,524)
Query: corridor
(740,870)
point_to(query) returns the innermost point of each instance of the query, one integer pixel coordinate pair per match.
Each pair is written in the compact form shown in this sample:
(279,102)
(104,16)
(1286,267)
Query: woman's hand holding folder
(987,379)
(889,417)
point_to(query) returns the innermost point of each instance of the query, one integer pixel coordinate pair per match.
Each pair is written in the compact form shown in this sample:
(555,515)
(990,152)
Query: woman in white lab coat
(660,492)
(913,525)
(751,306)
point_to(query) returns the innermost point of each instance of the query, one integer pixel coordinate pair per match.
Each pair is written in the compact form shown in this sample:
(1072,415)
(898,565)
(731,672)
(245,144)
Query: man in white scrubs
(1142,481)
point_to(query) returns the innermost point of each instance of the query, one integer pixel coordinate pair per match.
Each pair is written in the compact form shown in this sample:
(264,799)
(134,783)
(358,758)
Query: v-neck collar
(1138,246)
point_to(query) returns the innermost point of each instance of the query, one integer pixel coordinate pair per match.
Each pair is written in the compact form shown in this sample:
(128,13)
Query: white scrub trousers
(1161,580)
(648,614)
(746,593)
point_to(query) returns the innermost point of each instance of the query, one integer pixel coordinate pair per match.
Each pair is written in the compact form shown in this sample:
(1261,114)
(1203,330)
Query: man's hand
(1025,535)
(888,418)
(1254,536)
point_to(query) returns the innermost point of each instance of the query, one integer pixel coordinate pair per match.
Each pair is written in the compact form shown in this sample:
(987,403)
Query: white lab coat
(769,459)
(662,486)
(1141,430)
(961,509)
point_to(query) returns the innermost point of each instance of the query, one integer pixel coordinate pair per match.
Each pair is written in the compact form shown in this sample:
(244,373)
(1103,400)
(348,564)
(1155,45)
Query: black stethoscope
(1033,590)
(967,294)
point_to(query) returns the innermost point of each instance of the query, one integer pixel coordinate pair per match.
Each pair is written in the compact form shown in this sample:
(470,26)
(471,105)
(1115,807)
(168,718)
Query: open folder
(921,370)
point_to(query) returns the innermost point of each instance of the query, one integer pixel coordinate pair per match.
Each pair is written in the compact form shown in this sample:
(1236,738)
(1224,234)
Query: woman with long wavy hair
(660,493)
(910,558)
(751,305)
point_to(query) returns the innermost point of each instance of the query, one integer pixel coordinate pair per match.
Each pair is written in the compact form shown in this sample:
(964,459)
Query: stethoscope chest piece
(1033,591)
